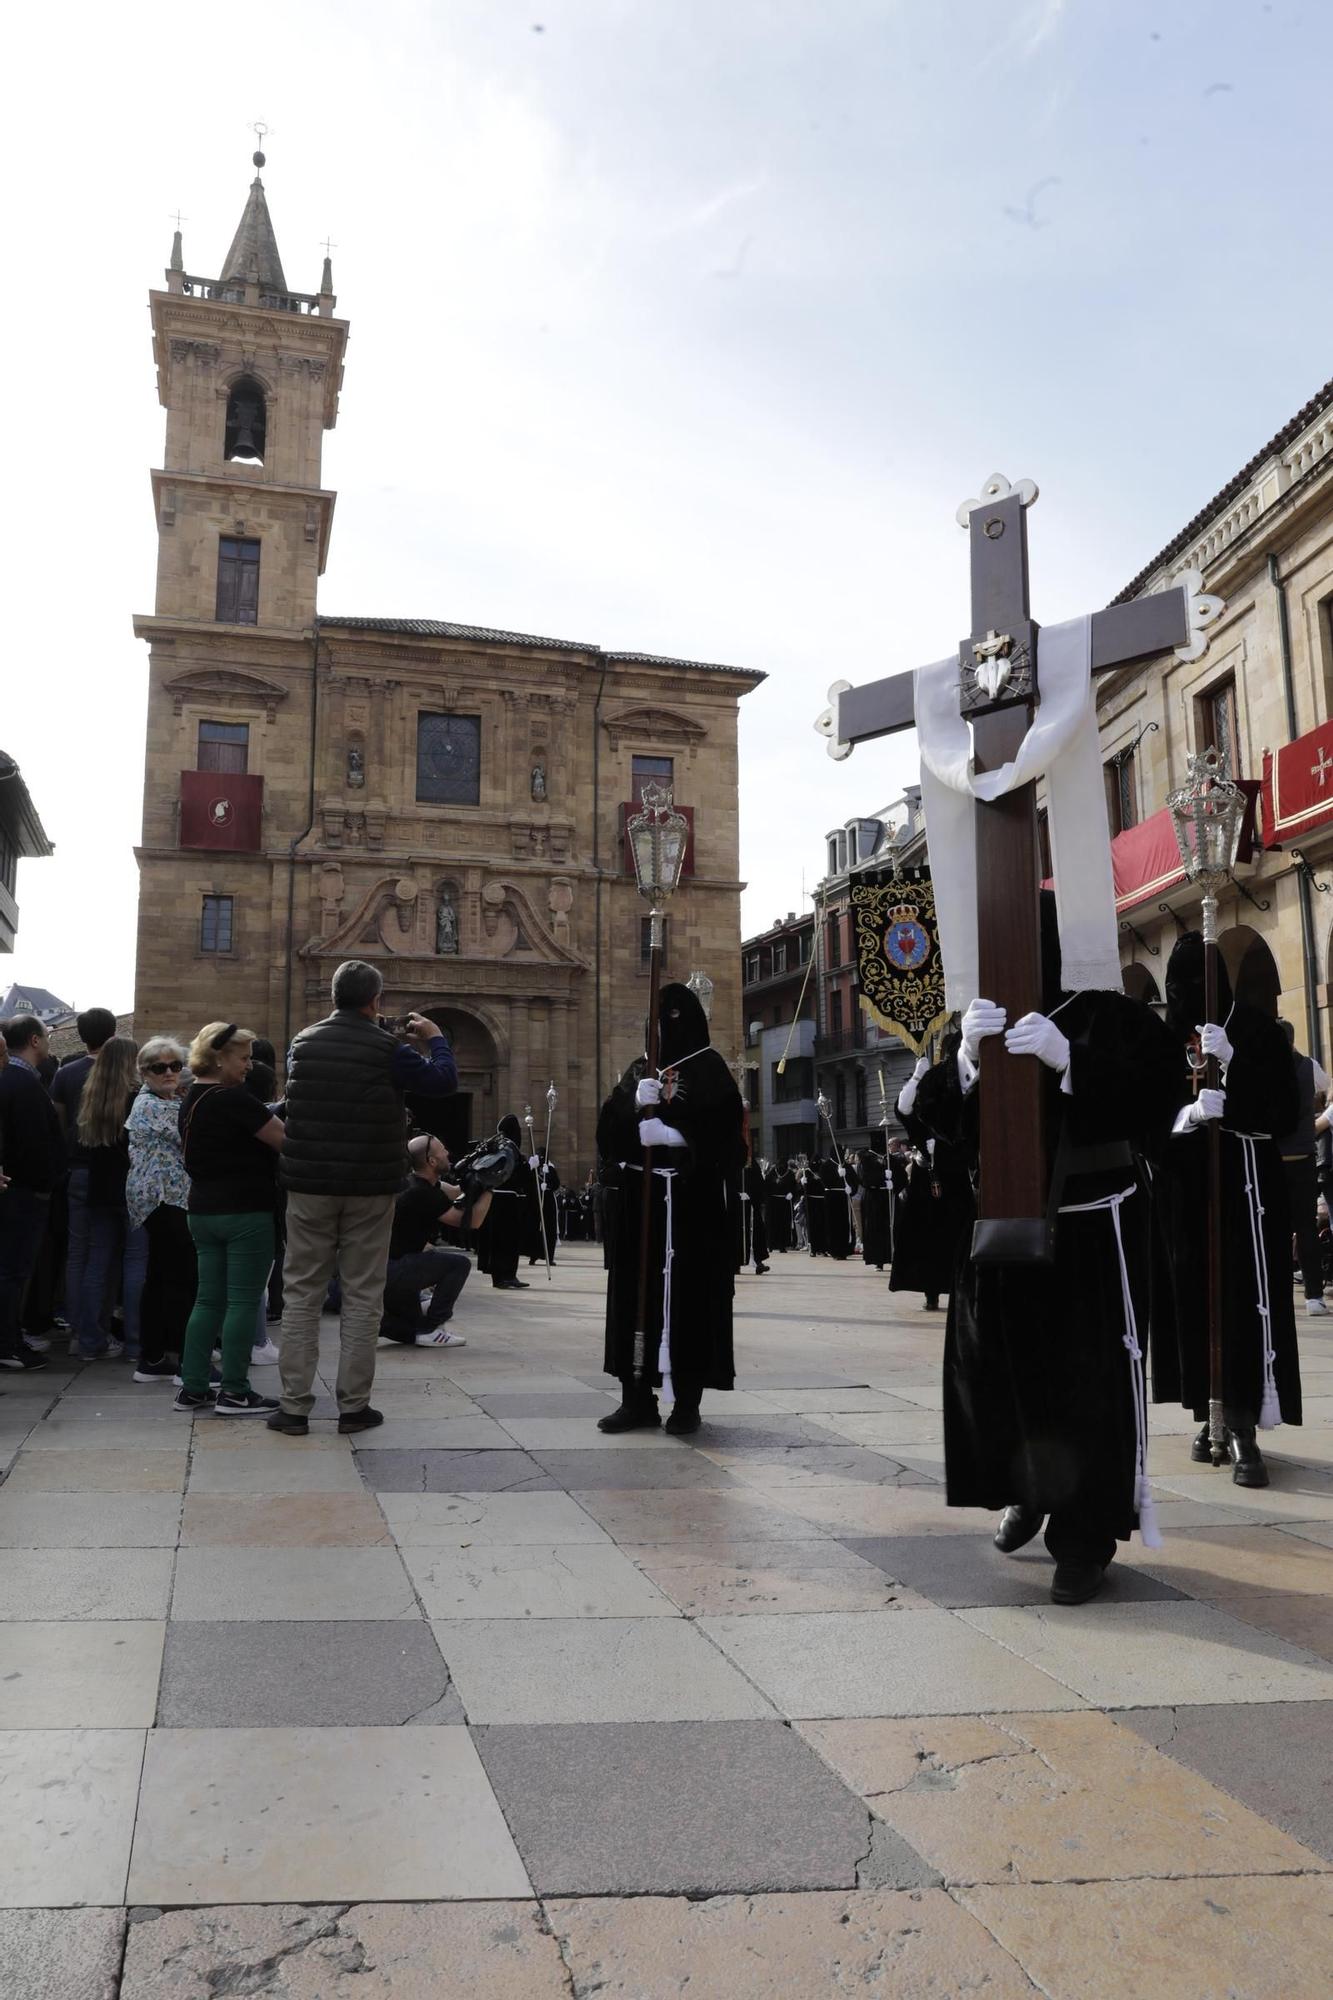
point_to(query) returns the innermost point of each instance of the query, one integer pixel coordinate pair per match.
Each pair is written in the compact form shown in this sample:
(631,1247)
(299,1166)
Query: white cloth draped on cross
(1062,747)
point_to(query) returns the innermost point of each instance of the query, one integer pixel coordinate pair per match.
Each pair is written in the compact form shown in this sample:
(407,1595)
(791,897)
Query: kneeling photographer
(415,1263)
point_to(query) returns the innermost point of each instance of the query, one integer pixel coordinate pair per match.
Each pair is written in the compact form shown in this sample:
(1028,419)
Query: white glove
(907,1096)
(534,1161)
(982,1018)
(1034,1035)
(922,1068)
(649,1092)
(1213,1041)
(1208,1104)
(652,1132)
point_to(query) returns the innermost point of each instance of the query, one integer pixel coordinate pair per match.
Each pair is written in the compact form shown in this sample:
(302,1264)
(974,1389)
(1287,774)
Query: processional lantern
(701,986)
(1207,815)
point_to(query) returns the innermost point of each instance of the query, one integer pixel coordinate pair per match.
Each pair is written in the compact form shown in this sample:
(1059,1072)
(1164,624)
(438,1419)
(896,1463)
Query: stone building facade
(779,995)
(443,799)
(1264,691)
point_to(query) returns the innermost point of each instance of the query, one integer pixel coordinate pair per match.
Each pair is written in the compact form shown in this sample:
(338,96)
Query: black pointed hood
(1184,987)
(511,1129)
(682,1025)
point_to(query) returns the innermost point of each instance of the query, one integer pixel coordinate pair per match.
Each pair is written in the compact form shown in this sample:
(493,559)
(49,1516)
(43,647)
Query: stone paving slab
(61,1954)
(1296,1616)
(881,1663)
(593,1670)
(432,1433)
(290,1520)
(114,1433)
(98,1470)
(1205,1561)
(410,1951)
(84,1583)
(834,1402)
(251,1583)
(293,1815)
(849,1511)
(696,1516)
(464,1520)
(494,1580)
(67,1801)
(580,1434)
(561,1404)
(886,1429)
(88,1520)
(243,1675)
(1034,1798)
(1278,1761)
(959,1570)
(257,1437)
(1145,1655)
(584,1471)
(915,1945)
(676,1808)
(750,1577)
(294,1469)
(775,1470)
(80,1674)
(1228,1938)
(1296,1494)
(453,1472)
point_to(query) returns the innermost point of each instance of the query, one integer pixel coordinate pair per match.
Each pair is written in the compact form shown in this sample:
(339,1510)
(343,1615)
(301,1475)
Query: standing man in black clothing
(96,1026)
(31,1161)
(416,1262)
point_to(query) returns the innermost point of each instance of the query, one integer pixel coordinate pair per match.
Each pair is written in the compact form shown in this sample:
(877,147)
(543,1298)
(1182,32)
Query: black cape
(876,1213)
(933,1214)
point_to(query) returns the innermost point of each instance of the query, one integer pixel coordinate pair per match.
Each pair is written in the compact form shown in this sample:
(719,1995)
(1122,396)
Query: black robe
(752,1244)
(811,1189)
(933,1214)
(837,1217)
(503,1235)
(541,1207)
(705,1106)
(876,1216)
(1039,1394)
(1261,1104)
(779,1189)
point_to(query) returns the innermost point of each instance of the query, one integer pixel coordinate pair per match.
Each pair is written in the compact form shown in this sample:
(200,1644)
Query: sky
(677,326)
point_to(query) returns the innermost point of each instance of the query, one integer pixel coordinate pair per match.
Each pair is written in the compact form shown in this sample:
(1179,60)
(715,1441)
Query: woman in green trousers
(231,1143)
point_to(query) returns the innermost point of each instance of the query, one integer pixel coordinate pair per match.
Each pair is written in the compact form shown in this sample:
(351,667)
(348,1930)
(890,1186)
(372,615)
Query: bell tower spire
(253,259)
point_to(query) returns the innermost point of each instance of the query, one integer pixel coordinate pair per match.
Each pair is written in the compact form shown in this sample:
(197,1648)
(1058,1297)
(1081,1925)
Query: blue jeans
(133,1274)
(22,1226)
(104,1244)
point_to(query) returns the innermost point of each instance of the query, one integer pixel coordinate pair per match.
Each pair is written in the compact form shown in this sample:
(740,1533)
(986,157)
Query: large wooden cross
(998,692)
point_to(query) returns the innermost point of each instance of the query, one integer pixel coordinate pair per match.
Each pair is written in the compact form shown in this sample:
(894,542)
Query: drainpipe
(1313,1026)
(597,890)
(304,834)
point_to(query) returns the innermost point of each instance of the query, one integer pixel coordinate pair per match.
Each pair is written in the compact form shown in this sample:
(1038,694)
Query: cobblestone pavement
(497,1706)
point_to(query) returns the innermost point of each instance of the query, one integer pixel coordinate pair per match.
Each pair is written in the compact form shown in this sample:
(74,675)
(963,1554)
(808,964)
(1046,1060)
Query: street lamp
(657,839)
(701,986)
(1207,814)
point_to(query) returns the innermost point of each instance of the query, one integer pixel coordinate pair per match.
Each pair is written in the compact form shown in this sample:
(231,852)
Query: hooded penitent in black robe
(704,1105)
(933,1214)
(752,1247)
(837,1219)
(502,1236)
(811,1190)
(541,1191)
(876,1218)
(1261,1102)
(779,1191)
(1043,1400)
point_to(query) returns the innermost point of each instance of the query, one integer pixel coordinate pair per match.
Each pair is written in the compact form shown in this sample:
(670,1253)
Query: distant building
(22,838)
(50,1011)
(778,1005)
(852,1054)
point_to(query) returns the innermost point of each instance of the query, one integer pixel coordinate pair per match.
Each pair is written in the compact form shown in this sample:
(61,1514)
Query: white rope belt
(1149,1532)
(667,1174)
(1270,1408)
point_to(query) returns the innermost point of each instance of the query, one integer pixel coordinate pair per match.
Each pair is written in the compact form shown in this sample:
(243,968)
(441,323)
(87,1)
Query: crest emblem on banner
(898,964)
(220,812)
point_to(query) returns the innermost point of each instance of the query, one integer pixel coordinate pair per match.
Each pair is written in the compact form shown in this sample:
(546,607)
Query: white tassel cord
(1149,1532)
(1270,1408)
(668,1174)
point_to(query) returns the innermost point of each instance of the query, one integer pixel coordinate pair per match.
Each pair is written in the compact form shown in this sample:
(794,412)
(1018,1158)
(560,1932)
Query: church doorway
(470,1113)
(1253,969)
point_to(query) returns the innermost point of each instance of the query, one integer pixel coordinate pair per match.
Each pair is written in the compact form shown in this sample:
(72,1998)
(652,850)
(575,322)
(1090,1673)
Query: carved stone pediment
(230,686)
(651,723)
(395,918)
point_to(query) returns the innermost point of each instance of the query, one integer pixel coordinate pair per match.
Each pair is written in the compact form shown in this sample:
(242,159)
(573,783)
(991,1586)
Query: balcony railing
(844,1041)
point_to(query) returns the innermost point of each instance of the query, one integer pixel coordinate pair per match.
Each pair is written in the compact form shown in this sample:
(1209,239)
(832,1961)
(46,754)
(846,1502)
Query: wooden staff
(646,1212)
(1217,1437)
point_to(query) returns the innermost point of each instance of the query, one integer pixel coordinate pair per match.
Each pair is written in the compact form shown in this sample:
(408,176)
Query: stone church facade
(445,800)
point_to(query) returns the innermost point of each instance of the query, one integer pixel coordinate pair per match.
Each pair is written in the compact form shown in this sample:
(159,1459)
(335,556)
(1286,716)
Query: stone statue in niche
(356,767)
(446,927)
(539,784)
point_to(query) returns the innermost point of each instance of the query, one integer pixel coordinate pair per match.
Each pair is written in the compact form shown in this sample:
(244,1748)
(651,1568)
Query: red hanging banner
(221,809)
(1298,786)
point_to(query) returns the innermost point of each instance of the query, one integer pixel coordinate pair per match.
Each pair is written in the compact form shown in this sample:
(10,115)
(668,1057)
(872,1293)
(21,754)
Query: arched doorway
(469,1112)
(1253,969)
(1139,984)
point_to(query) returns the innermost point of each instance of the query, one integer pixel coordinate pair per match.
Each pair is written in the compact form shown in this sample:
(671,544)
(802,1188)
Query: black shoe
(510,1284)
(1076,1582)
(1247,1459)
(1201,1452)
(1017,1527)
(931,1305)
(359,1420)
(761,1270)
(154,1371)
(251,1404)
(632,1417)
(188,1401)
(25,1362)
(683,1421)
(290,1426)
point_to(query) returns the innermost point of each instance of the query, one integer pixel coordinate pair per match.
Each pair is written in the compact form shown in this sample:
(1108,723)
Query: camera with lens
(492,1163)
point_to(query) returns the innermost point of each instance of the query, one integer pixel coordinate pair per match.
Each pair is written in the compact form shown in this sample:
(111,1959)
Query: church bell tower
(248,372)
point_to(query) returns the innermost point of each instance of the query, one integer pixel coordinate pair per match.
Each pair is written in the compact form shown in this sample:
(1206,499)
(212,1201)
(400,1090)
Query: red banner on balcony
(221,809)
(1298,786)
(686,813)
(1146,861)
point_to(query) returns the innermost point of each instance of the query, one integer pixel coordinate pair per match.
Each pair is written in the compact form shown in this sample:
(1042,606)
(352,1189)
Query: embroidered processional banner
(898,963)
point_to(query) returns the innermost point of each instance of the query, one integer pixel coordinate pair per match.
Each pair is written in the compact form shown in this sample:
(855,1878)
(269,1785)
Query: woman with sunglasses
(157,1194)
(231,1143)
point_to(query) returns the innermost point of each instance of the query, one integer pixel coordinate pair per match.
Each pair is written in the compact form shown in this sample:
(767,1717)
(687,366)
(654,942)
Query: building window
(832,854)
(649,771)
(238,581)
(246,421)
(861,1117)
(1122,802)
(223,746)
(752,1088)
(835,1012)
(8,861)
(449,759)
(1215,722)
(840,1101)
(779,958)
(752,968)
(834,943)
(796,1081)
(645,940)
(215,924)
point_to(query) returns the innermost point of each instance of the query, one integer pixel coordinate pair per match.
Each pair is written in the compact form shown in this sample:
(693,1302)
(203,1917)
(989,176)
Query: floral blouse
(157,1176)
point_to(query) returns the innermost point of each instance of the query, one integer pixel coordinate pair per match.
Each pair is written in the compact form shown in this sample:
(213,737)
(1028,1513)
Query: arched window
(1139,984)
(247,420)
(1254,975)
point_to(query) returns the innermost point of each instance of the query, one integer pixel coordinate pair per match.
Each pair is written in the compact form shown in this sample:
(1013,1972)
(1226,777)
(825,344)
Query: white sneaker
(1315,1307)
(266,1356)
(38,1343)
(441,1337)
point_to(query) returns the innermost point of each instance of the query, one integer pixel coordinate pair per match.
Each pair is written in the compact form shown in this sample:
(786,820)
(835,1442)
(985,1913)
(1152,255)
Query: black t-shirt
(231,1173)
(66,1090)
(416,1212)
